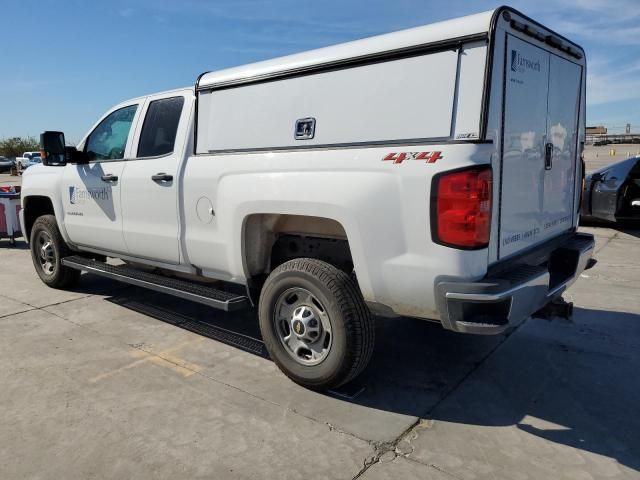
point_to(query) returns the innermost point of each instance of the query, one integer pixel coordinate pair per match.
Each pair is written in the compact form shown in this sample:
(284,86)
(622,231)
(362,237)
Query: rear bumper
(505,299)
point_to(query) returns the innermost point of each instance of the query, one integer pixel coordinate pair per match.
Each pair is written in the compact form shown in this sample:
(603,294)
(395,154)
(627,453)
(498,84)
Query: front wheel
(315,324)
(47,251)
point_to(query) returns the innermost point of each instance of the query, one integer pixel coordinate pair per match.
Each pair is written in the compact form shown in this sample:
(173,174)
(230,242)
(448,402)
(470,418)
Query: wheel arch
(270,239)
(33,207)
(261,232)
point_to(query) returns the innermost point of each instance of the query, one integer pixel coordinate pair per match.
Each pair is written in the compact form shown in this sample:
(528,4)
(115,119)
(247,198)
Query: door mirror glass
(52,145)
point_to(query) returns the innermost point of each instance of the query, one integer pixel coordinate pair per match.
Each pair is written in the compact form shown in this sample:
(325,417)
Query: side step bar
(171,286)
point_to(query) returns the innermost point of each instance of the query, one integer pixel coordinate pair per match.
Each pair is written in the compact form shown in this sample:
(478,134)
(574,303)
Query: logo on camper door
(428,157)
(520,64)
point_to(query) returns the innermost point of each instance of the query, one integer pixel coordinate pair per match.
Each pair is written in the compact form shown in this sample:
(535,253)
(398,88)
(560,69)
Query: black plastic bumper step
(171,286)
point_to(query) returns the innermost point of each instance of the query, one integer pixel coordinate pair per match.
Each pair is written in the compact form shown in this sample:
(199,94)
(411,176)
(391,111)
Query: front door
(91,192)
(151,222)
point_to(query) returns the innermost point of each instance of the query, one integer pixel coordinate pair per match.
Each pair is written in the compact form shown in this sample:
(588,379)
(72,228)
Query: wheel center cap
(298,327)
(45,251)
(304,324)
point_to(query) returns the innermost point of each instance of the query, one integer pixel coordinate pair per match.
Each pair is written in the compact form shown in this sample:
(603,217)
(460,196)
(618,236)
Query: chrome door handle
(162,177)
(109,178)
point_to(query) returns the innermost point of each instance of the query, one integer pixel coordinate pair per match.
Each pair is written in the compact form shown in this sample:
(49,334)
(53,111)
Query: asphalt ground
(110,381)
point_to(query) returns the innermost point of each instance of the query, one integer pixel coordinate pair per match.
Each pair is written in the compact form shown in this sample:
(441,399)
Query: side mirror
(56,153)
(73,155)
(597,177)
(53,148)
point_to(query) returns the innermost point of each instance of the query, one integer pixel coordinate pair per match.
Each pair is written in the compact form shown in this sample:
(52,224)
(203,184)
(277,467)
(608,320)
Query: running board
(171,286)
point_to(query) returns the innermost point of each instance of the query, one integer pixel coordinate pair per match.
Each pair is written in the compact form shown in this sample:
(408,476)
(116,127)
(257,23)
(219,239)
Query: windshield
(621,167)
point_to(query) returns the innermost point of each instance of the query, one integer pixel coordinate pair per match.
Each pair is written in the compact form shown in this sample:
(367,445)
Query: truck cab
(335,185)
(148,137)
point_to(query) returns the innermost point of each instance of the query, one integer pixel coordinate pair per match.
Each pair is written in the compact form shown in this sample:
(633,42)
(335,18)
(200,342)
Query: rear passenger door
(150,203)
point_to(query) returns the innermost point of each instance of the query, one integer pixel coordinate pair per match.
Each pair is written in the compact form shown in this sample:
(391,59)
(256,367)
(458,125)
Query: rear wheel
(47,251)
(315,324)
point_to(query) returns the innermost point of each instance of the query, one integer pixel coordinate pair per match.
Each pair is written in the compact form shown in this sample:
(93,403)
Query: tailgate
(540,131)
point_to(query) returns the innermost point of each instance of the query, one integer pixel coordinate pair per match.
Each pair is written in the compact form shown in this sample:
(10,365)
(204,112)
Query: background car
(25,162)
(6,164)
(613,192)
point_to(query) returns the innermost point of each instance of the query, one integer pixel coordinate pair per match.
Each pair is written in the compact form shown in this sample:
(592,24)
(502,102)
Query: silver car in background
(6,164)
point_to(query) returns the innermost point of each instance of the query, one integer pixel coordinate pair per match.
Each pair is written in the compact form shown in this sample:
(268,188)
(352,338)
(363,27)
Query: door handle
(548,156)
(109,178)
(162,177)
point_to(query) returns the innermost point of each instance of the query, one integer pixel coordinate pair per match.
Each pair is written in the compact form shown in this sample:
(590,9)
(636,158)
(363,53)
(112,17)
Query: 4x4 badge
(429,157)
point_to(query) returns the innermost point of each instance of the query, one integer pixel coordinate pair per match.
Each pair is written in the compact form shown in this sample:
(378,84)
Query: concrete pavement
(6,179)
(598,157)
(110,381)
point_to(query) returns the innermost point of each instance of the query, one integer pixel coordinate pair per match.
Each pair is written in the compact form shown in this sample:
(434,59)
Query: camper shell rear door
(541,134)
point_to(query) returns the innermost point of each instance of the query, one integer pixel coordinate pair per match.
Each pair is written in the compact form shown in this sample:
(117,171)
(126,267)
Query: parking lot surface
(598,157)
(112,381)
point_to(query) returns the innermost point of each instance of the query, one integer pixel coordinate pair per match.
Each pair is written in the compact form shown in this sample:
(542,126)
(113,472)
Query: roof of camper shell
(434,33)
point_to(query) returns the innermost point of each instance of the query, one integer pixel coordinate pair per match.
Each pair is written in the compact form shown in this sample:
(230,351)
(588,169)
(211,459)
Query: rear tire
(47,251)
(315,324)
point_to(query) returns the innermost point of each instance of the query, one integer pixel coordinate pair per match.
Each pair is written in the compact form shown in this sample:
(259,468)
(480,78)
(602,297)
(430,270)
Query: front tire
(47,251)
(315,324)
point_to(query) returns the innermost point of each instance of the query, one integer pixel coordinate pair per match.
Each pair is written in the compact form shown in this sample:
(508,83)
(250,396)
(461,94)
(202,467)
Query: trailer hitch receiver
(558,308)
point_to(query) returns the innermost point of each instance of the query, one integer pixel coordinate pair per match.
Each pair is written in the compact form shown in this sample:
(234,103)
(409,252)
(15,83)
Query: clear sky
(64,62)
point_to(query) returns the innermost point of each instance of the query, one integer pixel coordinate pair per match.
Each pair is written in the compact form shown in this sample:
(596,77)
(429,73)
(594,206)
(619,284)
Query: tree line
(16,146)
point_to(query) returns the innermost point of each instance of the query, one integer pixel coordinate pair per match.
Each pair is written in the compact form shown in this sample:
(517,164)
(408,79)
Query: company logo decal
(79,195)
(428,157)
(520,64)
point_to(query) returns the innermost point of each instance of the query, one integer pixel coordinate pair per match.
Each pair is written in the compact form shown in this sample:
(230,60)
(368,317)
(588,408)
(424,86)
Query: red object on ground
(9,212)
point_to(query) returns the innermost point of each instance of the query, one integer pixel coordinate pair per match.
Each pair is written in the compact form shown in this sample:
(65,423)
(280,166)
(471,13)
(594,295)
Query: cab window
(109,139)
(160,127)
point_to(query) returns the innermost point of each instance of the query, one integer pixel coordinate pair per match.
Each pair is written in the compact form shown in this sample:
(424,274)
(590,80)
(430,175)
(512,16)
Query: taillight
(461,208)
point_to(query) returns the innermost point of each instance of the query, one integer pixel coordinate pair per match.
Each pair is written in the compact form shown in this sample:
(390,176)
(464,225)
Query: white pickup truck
(27,160)
(433,173)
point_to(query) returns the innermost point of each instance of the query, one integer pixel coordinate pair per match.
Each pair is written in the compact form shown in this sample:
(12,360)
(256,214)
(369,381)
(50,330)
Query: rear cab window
(160,126)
